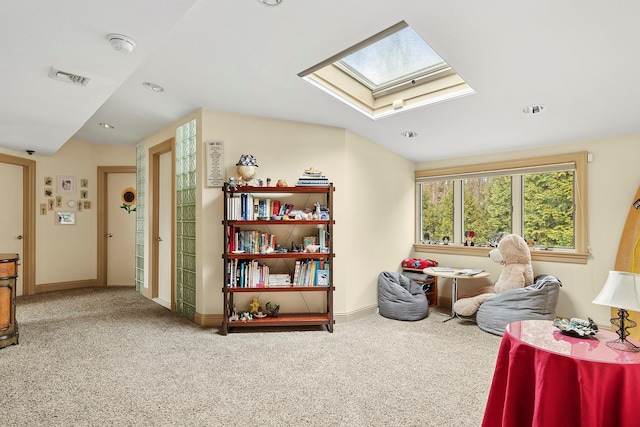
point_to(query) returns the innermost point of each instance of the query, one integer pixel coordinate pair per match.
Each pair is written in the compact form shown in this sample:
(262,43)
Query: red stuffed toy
(418,263)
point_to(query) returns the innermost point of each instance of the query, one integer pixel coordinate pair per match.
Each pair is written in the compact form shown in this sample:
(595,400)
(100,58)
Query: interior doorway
(121,230)
(162,190)
(18,230)
(116,258)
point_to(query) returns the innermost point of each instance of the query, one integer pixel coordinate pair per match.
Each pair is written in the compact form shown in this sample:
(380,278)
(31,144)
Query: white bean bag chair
(401,298)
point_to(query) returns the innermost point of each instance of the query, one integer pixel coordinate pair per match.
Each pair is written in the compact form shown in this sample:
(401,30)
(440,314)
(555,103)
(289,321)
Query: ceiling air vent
(68,77)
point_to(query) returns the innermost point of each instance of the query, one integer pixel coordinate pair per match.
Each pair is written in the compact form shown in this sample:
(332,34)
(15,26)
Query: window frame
(578,255)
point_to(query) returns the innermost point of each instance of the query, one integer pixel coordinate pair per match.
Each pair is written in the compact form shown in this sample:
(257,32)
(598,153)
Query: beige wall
(613,179)
(67,254)
(376,232)
(370,184)
(374,207)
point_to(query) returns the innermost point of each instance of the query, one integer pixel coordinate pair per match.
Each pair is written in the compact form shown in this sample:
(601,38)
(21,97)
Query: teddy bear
(512,252)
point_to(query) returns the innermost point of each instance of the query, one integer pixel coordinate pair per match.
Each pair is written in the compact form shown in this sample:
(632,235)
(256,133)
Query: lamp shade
(621,290)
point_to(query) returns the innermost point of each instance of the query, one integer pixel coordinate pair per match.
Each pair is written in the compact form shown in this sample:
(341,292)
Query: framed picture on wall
(66,185)
(65,218)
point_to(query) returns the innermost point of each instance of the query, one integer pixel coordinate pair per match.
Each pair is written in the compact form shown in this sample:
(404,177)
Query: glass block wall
(186,219)
(140,163)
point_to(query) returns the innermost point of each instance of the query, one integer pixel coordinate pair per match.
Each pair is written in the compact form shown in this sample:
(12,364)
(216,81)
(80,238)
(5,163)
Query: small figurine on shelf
(246,168)
(232,183)
(246,317)
(254,306)
(272,309)
(468,236)
(234,314)
(445,240)
(268,182)
(281,183)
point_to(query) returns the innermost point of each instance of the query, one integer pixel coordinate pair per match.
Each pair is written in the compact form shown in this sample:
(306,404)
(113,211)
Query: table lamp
(621,290)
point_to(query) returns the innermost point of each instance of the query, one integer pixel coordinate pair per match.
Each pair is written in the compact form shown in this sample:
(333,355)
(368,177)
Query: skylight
(401,55)
(393,71)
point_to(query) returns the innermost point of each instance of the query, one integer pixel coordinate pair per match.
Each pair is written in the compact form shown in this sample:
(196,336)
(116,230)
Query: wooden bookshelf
(287,319)
(245,256)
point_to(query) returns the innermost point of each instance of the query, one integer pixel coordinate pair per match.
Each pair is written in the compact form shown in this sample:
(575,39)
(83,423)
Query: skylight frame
(401,83)
(424,87)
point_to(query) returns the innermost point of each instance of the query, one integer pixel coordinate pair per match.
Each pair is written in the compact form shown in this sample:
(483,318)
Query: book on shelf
(311,274)
(251,241)
(312,180)
(303,274)
(279,280)
(296,272)
(322,277)
(468,272)
(312,183)
(247,274)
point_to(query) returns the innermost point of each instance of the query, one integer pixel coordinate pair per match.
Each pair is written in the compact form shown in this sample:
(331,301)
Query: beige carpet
(110,357)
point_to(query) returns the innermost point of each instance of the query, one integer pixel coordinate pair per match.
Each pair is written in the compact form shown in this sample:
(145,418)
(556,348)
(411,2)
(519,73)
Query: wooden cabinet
(8,275)
(277,241)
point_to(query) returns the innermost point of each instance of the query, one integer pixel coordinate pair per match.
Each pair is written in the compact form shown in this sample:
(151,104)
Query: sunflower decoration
(128,197)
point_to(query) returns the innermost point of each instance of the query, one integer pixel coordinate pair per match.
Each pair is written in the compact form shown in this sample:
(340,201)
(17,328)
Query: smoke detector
(121,43)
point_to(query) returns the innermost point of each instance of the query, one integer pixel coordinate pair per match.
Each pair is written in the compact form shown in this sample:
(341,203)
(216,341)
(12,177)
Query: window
(398,57)
(393,71)
(548,200)
(437,211)
(542,199)
(487,208)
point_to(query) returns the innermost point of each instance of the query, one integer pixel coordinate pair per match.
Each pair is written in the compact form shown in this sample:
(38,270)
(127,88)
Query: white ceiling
(580,58)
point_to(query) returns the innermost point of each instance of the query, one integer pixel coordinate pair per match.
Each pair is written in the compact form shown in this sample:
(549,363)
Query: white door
(164,231)
(11,228)
(121,232)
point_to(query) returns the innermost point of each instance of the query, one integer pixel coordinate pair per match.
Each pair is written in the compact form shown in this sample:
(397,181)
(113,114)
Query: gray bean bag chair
(401,298)
(534,302)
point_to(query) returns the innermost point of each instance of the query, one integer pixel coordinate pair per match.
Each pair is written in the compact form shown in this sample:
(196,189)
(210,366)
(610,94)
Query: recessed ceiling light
(152,86)
(409,134)
(270,2)
(106,125)
(534,109)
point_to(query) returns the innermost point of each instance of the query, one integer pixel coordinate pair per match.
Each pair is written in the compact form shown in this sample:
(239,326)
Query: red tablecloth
(544,379)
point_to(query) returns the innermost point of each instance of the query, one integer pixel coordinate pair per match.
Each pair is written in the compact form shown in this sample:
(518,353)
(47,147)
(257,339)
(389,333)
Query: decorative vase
(246,172)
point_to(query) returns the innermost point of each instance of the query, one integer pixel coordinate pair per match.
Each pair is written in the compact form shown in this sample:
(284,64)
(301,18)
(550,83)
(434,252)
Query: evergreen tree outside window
(437,211)
(549,209)
(542,199)
(487,208)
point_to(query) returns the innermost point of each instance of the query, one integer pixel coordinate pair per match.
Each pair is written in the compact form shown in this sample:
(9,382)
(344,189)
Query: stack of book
(312,178)
(279,280)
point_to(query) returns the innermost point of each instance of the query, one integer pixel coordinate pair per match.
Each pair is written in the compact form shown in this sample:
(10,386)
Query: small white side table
(454,276)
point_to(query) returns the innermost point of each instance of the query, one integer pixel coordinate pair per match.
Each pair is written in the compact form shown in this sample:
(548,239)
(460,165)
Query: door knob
(159,239)
(109,235)
(20,237)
